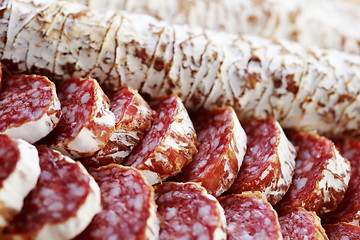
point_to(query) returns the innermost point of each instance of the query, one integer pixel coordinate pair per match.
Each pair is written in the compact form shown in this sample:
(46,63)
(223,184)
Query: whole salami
(250,216)
(61,205)
(188,212)
(269,161)
(301,224)
(29,107)
(19,172)
(133,119)
(170,143)
(129,209)
(221,149)
(342,231)
(306,88)
(349,208)
(86,124)
(321,175)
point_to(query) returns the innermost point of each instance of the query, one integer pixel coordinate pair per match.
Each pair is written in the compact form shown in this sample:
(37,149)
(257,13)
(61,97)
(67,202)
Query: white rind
(76,224)
(20,182)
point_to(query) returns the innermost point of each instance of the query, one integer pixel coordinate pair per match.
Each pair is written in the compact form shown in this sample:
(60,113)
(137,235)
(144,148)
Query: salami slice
(170,143)
(342,231)
(222,146)
(269,161)
(250,216)
(61,205)
(19,172)
(29,107)
(321,175)
(301,224)
(86,123)
(129,209)
(133,119)
(187,211)
(349,208)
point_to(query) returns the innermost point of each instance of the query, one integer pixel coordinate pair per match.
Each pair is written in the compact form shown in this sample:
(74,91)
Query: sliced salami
(19,172)
(250,216)
(133,119)
(86,124)
(187,211)
(29,107)
(321,175)
(222,146)
(342,231)
(349,208)
(170,143)
(269,161)
(61,205)
(129,209)
(301,224)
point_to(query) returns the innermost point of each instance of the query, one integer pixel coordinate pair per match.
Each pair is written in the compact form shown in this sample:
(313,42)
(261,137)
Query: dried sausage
(221,149)
(342,231)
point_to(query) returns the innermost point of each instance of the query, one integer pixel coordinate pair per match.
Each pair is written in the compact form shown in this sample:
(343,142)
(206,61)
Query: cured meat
(301,224)
(86,124)
(19,172)
(129,209)
(305,21)
(170,143)
(310,89)
(222,146)
(133,119)
(250,216)
(29,107)
(61,205)
(349,208)
(342,231)
(269,161)
(188,212)
(321,175)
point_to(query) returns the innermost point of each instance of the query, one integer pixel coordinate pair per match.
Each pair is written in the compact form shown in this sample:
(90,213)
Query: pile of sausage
(78,163)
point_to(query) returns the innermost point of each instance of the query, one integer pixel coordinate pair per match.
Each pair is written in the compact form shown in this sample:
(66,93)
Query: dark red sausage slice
(187,211)
(349,208)
(170,143)
(86,123)
(19,172)
(133,119)
(61,205)
(222,145)
(342,231)
(129,209)
(29,107)
(321,175)
(301,224)
(250,216)
(269,161)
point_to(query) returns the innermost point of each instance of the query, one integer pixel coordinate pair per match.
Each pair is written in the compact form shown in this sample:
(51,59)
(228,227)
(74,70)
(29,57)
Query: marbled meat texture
(129,208)
(250,216)
(321,175)
(87,123)
(133,120)
(349,208)
(29,107)
(342,231)
(221,149)
(300,87)
(187,211)
(61,205)
(301,224)
(269,162)
(19,172)
(170,143)
(304,21)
